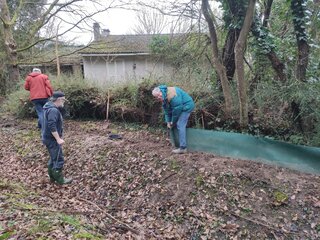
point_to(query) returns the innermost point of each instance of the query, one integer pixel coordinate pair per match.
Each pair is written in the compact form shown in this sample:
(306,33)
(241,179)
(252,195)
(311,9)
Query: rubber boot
(50,174)
(58,177)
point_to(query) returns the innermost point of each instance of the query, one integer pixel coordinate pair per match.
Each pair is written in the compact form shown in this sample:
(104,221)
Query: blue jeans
(39,103)
(56,160)
(181,126)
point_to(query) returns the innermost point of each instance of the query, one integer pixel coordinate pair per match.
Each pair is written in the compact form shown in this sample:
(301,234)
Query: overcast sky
(118,21)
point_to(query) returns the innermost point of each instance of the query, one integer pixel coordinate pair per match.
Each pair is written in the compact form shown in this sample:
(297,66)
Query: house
(111,59)
(45,58)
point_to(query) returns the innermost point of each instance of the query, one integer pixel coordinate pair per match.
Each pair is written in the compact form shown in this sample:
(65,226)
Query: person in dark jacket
(177,106)
(40,90)
(52,137)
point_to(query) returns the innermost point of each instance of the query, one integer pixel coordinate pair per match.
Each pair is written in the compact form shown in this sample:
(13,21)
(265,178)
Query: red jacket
(39,86)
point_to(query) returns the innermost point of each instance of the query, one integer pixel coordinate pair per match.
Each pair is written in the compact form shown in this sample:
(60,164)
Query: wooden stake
(108,105)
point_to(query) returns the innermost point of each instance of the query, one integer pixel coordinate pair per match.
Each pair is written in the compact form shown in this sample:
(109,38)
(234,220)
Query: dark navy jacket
(52,122)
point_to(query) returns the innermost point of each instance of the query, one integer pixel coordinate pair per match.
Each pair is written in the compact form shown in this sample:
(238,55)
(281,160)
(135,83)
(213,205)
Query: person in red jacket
(40,90)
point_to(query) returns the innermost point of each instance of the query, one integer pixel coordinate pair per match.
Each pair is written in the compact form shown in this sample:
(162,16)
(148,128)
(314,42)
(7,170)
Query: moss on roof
(67,55)
(122,44)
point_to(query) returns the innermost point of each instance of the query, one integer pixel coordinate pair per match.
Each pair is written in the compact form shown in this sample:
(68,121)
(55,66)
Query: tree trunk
(299,19)
(228,52)
(299,22)
(10,44)
(296,116)
(221,70)
(302,61)
(239,60)
(258,30)
(266,13)
(237,14)
(277,65)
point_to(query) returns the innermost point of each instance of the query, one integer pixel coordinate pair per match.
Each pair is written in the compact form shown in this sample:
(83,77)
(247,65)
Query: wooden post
(57,53)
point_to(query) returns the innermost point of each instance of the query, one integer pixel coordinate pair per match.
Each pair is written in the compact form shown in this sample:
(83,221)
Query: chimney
(105,32)
(96,31)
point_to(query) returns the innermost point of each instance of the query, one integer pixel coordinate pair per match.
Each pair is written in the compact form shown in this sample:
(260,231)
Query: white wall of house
(105,70)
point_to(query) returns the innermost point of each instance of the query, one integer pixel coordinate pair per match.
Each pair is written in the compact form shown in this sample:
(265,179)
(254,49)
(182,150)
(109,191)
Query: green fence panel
(243,146)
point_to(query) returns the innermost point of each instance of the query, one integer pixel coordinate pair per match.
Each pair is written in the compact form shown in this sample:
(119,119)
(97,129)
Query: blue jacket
(175,101)
(52,122)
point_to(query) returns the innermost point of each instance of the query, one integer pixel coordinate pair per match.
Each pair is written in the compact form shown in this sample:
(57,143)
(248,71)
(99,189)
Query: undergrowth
(270,105)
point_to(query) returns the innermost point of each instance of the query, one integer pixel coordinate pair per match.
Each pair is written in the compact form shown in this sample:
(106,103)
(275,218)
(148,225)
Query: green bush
(18,104)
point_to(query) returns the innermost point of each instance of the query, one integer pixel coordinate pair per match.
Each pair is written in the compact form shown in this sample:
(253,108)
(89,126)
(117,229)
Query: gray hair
(36,70)
(156,91)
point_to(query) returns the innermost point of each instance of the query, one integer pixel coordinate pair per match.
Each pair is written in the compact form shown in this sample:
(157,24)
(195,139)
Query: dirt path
(134,188)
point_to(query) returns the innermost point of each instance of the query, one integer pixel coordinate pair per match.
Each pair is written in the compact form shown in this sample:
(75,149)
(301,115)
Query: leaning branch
(17,13)
(69,29)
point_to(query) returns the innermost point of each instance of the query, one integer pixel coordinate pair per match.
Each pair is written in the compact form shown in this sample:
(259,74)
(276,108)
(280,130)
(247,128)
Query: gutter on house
(113,54)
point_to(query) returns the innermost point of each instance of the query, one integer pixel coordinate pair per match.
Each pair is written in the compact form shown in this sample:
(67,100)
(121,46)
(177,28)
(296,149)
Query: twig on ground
(169,176)
(123,225)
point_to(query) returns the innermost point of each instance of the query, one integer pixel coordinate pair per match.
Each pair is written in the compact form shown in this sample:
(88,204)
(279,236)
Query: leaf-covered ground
(134,188)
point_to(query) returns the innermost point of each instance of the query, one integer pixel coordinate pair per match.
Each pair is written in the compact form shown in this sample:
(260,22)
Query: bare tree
(71,13)
(150,21)
(181,16)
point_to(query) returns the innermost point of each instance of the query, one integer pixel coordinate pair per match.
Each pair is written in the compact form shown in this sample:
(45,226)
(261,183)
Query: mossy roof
(117,44)
(67,55)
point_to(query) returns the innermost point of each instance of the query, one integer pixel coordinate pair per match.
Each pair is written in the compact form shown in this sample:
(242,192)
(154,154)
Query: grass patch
(279,197)
(174,165)
(86,235)
(199,181)
(41,226)
(70,220)
(6,235)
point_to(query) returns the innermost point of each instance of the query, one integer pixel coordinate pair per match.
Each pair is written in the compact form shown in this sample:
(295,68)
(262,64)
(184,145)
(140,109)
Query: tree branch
(67,30)
(17,13)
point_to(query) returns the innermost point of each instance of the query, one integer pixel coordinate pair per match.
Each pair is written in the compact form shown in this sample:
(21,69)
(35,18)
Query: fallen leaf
(230,227)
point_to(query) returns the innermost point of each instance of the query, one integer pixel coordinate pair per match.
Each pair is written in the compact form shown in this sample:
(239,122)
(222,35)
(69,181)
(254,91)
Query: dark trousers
(56,160)
(38,104)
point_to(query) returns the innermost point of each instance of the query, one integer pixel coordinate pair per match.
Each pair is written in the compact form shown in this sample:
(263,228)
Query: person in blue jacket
(52,136)
(177,106)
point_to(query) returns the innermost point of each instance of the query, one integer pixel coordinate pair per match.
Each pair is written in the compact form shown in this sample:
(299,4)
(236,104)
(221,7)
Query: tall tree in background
(150,21)
(239,62)
(299,18)
(217,61)
(233,15)
(260,30)
(16,16)
(8,21)
(20,29)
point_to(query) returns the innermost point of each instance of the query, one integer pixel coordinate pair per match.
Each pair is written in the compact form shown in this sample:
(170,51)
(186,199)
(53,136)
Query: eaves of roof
(115,54)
